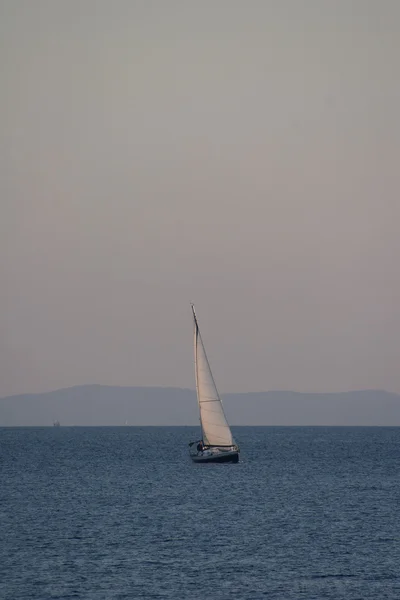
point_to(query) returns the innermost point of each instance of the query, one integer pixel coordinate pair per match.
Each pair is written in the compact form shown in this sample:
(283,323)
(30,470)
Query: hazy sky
(240,154)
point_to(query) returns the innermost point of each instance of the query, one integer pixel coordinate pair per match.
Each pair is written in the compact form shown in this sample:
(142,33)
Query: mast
(196,333)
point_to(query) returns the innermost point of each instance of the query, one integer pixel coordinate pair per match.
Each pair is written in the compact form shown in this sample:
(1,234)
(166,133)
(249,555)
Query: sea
(122,513)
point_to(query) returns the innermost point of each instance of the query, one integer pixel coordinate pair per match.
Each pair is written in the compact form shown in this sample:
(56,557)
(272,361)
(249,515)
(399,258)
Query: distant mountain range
(106,405)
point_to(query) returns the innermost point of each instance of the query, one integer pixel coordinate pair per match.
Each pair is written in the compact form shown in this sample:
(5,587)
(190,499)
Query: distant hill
(105,405)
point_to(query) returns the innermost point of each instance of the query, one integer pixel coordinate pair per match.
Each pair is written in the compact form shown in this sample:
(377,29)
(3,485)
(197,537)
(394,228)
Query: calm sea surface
(121,512)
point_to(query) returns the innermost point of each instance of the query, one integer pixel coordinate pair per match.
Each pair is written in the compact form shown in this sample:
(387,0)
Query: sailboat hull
(233,458)
(215,456)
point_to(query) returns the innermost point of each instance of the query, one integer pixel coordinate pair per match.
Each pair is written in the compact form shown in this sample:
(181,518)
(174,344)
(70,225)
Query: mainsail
(215,429)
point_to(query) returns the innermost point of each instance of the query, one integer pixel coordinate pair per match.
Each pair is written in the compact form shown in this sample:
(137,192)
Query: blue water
(107,513)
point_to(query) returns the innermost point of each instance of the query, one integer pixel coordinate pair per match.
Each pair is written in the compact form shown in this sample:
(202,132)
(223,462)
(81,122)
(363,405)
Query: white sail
(215,429)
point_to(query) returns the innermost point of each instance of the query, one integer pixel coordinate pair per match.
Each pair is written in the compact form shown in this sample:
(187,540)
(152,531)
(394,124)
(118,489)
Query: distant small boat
(217,443)
(56,424)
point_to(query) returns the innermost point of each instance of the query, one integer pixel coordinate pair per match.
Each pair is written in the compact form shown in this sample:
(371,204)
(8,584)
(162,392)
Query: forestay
(216,431)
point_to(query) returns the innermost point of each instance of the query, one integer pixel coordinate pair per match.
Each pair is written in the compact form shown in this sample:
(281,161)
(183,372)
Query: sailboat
(216,443)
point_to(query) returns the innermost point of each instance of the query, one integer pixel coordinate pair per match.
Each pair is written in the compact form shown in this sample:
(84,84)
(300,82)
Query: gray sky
(243,155)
